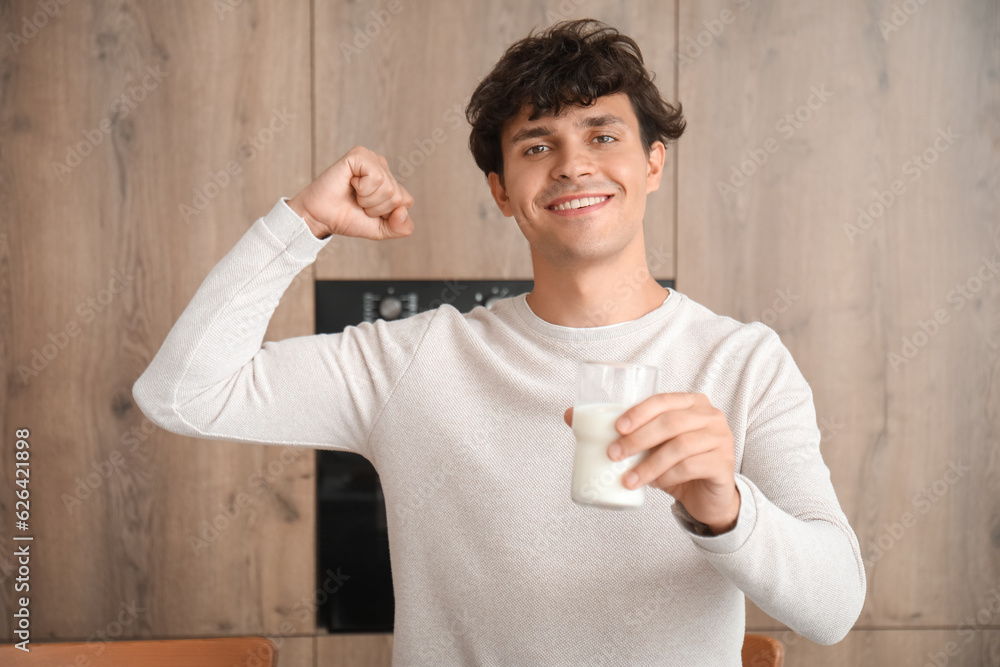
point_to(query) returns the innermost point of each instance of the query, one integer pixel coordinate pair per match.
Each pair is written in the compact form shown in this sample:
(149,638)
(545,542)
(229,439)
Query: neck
(596,295)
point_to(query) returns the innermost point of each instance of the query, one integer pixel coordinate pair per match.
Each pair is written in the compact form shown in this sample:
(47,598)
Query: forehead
(605,110)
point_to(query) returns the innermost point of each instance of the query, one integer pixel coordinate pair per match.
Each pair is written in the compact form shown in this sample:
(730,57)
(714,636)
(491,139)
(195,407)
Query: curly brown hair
(571,63)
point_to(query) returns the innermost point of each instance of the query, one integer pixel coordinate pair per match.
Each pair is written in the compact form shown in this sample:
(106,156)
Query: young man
(465,415)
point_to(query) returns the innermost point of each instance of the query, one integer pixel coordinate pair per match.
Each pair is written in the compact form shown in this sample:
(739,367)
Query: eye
(532,151)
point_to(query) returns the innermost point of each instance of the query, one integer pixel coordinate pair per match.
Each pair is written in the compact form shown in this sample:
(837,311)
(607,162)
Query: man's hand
(691,454)
(356,196)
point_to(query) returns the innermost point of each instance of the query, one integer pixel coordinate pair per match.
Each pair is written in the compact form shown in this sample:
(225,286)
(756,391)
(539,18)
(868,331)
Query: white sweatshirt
(461,414)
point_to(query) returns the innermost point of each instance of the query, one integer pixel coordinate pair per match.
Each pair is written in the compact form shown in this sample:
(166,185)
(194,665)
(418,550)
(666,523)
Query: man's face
(585,151)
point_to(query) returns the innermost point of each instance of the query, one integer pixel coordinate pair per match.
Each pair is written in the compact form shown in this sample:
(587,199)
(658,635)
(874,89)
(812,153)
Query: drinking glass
(604,390)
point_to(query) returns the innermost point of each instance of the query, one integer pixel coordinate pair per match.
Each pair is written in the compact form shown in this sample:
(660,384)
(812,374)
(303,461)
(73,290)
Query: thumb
(568,416)
(399,222)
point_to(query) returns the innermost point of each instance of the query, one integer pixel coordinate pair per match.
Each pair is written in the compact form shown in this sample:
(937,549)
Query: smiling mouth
(578,204)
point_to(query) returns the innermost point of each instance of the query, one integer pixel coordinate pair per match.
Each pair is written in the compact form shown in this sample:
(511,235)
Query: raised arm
(214,378)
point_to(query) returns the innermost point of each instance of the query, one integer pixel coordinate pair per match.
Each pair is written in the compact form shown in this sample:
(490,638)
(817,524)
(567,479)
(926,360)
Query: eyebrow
(545,131)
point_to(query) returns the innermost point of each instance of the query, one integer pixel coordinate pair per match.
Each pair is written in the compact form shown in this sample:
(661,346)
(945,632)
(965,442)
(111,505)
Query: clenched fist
(356,196)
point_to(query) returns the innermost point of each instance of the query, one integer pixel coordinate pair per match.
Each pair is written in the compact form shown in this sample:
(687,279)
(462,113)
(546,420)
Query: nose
(574,162)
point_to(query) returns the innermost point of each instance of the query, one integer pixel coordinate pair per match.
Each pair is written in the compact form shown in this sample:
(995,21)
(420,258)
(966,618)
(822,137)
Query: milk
(597,480)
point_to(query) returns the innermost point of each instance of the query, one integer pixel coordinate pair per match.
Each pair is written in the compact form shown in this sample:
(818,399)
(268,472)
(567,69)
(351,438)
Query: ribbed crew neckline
(533,322)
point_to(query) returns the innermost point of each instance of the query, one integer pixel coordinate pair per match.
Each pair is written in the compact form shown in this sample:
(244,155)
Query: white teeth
(579,203)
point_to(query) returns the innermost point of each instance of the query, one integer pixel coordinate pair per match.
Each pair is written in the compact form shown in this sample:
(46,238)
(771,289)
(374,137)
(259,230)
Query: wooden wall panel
(951,647)
(369,650)
(121,561)
(294,651)
(784,246)
(402,93)
(849,296)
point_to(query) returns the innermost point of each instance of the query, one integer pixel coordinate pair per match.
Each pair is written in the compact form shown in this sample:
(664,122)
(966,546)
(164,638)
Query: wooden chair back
(208,652)
(762,651)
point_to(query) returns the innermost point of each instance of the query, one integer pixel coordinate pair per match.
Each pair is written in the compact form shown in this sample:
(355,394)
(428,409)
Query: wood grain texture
(294,651)
(369,650)
(98,259)
(785,246)
(207,652)
(878,648)
(121,560)
(403,95)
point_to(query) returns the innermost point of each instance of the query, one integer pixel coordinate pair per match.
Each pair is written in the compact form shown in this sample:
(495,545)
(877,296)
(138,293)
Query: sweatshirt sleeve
(213,378)
(792,550)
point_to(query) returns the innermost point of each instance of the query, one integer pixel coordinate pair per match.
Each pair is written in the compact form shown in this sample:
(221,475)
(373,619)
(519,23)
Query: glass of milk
(603,392)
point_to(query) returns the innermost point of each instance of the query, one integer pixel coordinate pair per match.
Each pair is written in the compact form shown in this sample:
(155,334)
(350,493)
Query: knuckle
(684,441)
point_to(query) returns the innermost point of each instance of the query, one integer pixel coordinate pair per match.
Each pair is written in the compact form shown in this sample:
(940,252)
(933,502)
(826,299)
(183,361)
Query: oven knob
(390,307)
(490,301)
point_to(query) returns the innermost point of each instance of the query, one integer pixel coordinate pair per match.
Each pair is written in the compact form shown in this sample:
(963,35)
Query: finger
(367,179)
(384,208)
(686,445)
(708,466)
(662,428)
(668,469)
(644,410)
(385,199)
(399,222)
(568,417)
(407,197)
(397,208)
(373,189)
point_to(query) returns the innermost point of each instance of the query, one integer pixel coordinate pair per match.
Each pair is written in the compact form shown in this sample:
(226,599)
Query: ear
(654,168)
(500,195)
